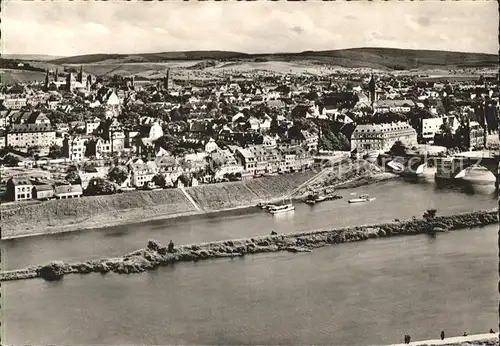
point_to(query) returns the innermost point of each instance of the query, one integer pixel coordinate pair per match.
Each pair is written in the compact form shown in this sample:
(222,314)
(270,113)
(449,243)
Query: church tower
(166,79)
(69,82)
(47,79)
(56,78)
(372,88)
(80,75)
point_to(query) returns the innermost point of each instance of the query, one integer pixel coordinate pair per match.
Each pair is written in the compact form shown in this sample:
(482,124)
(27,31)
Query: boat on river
(281,208)
(265,206)
(277,209)
(362,199)
(313,199)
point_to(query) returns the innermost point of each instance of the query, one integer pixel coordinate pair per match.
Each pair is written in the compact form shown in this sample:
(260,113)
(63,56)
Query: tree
(118,174)
(344,143)
(99,186)
(159,180)
(430,214)
(398,149)
(55,151)
(73,178)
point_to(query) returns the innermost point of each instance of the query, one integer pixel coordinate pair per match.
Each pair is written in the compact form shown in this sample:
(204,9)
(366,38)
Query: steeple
(57,75)
(80,75)
(46,79)
(165,80)
(372,88)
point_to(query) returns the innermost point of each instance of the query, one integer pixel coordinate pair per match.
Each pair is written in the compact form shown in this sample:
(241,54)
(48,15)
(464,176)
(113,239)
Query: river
(370,292)
(395,199)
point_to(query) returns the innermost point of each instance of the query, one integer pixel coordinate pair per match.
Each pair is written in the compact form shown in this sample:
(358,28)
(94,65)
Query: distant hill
(382,58)
(32,57)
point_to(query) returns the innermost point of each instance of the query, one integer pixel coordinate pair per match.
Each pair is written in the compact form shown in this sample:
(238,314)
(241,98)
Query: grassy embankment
(90,212)
(156,254)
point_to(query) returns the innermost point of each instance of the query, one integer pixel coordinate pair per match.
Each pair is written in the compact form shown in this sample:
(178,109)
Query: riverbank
(60,216)
(470,340)
(156,254)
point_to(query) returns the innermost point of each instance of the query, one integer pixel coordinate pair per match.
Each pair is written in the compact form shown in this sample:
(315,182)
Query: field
(10,77)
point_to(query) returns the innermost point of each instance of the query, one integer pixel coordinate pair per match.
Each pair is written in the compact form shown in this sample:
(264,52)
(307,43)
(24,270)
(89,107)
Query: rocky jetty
(156,254)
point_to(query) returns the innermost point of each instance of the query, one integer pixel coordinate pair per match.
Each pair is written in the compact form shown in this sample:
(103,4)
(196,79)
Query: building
(19,189)
(74,147)
(68,191)
(224,162)
(92,125)
(382,137)
(476,135)
(211,146)
(431,126)
(43,192)
(31,135)
(394,106)
(247,159)
(142,173)
(14,103)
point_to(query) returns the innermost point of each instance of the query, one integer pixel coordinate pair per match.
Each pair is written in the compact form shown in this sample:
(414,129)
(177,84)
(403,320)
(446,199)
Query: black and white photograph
(249,173)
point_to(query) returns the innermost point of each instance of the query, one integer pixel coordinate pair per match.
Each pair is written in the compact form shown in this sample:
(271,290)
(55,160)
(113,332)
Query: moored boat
(281,208)
(362,199)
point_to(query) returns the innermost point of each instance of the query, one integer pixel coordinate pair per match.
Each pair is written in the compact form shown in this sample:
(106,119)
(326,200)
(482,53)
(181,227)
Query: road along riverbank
(156,254)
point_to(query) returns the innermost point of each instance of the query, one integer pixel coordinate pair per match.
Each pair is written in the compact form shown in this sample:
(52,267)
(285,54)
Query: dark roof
(24,128)
(20,181)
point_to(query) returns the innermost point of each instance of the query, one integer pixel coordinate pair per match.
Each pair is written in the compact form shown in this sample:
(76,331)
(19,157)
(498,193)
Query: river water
(370,292)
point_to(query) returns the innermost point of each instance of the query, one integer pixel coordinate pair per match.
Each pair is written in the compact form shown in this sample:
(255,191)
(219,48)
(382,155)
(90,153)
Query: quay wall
(156,254)
(57,216)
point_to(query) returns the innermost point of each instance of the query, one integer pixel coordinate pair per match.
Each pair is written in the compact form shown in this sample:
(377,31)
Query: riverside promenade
(477,339)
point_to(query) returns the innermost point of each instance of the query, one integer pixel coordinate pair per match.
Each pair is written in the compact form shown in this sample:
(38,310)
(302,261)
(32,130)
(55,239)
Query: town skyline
(72,29)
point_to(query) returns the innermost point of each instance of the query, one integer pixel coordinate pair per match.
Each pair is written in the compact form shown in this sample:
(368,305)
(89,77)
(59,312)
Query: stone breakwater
(156,254)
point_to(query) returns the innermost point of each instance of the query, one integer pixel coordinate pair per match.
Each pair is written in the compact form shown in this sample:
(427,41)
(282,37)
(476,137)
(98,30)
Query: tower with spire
(372,86)
(46,79)
(80,75)
(166,79)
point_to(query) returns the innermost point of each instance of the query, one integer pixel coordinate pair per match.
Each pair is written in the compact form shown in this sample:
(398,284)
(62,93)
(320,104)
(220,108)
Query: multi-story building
(247,159)
(26,136)
(394,106)
(91,125)
(19,189)
(142,173)
(431,126)
(14,103)
(382,137)
(226,163)
(74,147)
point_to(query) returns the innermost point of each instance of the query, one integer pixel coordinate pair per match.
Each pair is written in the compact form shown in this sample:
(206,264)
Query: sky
(65,28)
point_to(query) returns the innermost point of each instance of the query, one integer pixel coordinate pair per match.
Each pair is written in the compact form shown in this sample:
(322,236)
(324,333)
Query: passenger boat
(282,208)
(362,199)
